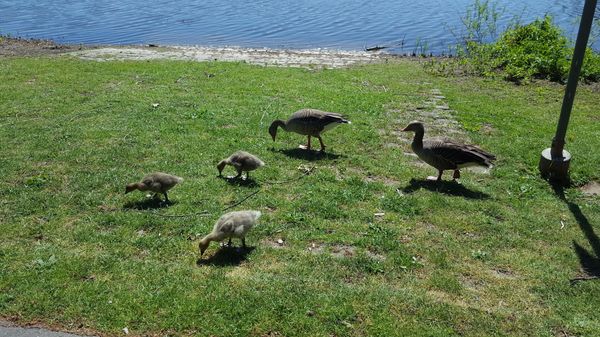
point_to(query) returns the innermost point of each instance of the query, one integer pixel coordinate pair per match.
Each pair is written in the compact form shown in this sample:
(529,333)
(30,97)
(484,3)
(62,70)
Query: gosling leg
(239,172)
(229,243)
(244,242)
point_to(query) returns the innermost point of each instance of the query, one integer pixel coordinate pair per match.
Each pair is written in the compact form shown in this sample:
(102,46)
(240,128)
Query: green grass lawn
(492,256)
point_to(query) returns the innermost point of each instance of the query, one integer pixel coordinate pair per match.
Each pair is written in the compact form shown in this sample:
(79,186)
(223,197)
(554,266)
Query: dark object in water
(375,48)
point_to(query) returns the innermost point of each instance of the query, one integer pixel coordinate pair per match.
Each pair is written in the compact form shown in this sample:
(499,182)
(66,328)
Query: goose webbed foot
(438,178)
(307,146)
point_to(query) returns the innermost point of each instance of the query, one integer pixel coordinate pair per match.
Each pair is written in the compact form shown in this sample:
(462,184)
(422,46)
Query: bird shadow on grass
(247,182)
(150,203)
(309,155)
(589,260)
(226,256)
(445,187)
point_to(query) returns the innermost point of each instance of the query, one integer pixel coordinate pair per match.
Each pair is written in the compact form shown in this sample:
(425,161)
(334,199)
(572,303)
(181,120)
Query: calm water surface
(335,24)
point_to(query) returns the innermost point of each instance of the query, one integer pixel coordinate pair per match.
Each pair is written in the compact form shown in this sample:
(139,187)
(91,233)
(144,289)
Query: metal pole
(554,162)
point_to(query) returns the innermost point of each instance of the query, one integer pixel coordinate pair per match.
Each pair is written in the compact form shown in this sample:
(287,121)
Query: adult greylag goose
(157,182)
(446,154)
(242,161)
(232,224)
(309,122)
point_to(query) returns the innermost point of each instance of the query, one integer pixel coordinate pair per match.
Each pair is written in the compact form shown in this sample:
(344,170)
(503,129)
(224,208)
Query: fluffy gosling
(232,224)
(242,161)
(157,182)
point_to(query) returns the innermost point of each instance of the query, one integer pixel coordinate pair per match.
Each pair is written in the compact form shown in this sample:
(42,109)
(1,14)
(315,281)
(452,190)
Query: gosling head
(131,187)
(221,166)
(415,126)
(203,245)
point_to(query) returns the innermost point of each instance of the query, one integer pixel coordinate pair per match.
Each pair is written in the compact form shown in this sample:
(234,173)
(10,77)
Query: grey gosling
(446,154)
(309,122)
(232,224)
(242,161)
(157,182)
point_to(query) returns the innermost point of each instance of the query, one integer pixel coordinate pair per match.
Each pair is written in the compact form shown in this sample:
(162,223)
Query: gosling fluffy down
(242,161)
(156,182)
(233,224)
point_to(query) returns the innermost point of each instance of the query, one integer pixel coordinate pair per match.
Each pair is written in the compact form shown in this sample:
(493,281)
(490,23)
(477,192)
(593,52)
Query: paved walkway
(9,330)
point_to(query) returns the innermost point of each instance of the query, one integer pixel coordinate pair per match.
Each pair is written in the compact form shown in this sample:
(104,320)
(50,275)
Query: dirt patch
(338,251)
(591,189)
(472,282)
(316,248)
(387,181)
(487,129)
(503,273)
(343,251)
(375,256)
(32,47)
(276,243)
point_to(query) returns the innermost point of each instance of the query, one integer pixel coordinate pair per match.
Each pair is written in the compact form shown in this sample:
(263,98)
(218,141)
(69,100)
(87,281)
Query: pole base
(555,169)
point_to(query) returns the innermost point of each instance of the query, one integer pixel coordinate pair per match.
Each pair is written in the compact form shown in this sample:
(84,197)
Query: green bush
(536,50)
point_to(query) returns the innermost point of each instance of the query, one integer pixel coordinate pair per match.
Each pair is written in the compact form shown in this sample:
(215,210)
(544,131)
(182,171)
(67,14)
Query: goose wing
(452,155)
(312,121)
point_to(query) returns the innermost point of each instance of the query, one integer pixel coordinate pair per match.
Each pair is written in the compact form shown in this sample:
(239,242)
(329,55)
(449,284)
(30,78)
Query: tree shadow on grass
(590,261)
(310,155)
(149,203)
(445,187)
(226,256)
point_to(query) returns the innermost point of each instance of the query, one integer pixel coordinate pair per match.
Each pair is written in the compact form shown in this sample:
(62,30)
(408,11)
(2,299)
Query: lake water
(404,25)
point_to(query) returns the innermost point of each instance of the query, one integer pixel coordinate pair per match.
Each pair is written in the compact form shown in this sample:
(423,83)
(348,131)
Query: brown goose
(445,154)
(157,182)
(309,122)
(242,161)
(232,224)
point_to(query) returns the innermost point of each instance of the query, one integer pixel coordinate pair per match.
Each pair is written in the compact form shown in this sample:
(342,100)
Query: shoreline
(305,58)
